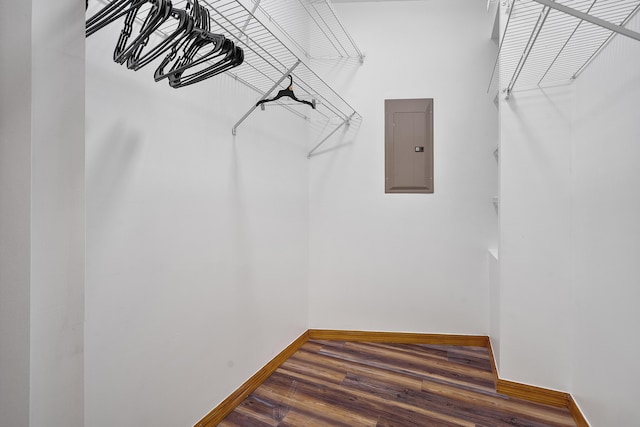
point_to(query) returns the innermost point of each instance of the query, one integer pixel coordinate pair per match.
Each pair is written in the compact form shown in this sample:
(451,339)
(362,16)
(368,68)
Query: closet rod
(590,18)
(268,60)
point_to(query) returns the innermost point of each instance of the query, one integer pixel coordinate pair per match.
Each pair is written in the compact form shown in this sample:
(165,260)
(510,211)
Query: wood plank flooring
(352,384)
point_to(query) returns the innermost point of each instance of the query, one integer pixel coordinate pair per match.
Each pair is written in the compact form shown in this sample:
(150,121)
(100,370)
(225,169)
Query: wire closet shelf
(548,43)
(314,21)
(268,61)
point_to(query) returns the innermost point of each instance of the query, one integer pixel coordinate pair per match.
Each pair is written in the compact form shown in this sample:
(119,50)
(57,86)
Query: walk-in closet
(319,212)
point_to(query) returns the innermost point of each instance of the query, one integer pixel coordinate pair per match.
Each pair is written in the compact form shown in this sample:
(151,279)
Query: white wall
(57,223)
(197,242)
(606,208)
(494,304)
(42,216)
(15,213)
(535,238)
(409,262)
(569,237)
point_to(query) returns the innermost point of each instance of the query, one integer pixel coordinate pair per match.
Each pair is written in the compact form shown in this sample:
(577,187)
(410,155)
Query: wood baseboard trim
(398,337)
(578,416)
(494,367)
(533,394)
(227,406)
(508,388)
(536,394)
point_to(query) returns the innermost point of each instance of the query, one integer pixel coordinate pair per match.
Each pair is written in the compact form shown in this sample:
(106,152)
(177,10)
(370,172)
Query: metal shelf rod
(565,44)
(604,44)
(590,18)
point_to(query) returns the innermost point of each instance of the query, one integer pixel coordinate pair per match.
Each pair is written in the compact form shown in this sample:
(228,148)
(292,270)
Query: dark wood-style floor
(335,383)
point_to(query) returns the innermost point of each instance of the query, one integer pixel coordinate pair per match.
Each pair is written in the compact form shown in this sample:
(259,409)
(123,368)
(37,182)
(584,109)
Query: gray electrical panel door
(409,145)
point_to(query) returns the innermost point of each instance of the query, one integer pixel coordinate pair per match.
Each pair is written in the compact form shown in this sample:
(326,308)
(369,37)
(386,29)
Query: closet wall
(606,207)
(42,214)
(569,236)
(57,214)
(197,242)
(15,211)
(535,236)
(407,262)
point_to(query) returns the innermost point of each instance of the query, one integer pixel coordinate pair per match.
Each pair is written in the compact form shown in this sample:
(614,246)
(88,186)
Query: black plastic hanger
(186,70)
(139,57)
(217,44)
(159,13)
(188,20)
(288,92)
(110,13)
(183,51)
(234,56)
(191,37)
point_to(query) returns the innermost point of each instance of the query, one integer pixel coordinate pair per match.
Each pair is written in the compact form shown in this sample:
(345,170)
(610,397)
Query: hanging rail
(548,43)
(268,61)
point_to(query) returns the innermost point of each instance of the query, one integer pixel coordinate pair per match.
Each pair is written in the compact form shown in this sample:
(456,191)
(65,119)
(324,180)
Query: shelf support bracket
(265,96)
(251,15)
(346,121)
(590,18)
